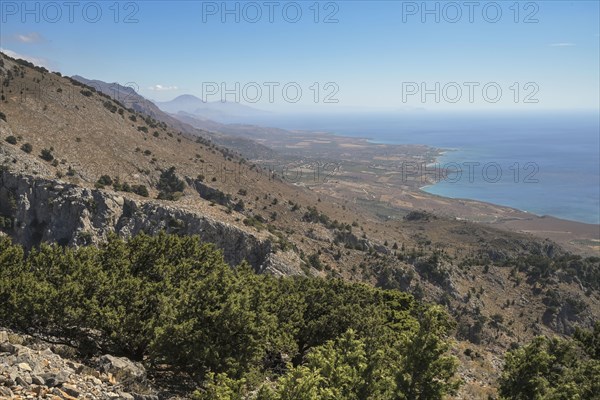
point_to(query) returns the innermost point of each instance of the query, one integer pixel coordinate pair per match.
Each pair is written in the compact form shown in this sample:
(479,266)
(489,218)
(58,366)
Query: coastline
(439,160)
(370,172)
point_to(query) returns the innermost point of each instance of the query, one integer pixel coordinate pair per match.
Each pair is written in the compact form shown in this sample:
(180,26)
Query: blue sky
(378,55)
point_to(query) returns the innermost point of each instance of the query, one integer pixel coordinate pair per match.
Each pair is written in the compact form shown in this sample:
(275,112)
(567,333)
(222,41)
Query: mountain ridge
(220,111)
(85,147)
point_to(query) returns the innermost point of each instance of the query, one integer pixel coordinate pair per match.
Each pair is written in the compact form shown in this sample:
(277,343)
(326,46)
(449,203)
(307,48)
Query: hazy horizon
(291,56)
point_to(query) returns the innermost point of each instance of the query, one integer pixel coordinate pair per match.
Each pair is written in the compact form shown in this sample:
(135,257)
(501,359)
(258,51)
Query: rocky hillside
(34,369)
(214,131)
(77,165)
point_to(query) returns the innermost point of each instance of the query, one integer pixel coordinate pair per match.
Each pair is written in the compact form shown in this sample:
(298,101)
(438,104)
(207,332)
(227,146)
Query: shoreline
(514,209)
(439,153)
(374,169)
(444,151)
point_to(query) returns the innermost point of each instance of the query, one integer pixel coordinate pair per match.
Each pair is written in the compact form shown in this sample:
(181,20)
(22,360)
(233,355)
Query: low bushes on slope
(553,369)
(171,300)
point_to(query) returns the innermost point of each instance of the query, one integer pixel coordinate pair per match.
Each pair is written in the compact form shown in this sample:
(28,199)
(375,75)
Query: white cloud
(161,88)
(32,37)
(42,62)
(563,44)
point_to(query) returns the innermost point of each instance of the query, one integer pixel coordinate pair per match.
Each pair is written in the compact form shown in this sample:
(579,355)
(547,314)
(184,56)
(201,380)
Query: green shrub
(109,105)
(172,301)
(552,369)
(27,147)
(6,223)
(140,190)
(11,139)
(103,181)
(315,262)
(47,155)
(170,186)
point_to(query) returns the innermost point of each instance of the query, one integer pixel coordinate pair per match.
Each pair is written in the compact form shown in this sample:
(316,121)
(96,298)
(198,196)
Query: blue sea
(543,163)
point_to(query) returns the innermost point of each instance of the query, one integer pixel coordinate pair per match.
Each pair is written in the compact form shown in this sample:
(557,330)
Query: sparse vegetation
(104,180)
(47,155)
(27,148)
(140,190)
(255,221)
(109,105)
(170,186)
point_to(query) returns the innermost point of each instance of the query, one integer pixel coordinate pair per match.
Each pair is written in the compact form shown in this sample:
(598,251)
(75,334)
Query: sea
(545,163)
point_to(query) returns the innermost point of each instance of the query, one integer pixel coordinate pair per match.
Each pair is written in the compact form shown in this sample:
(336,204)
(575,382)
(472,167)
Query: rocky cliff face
(37,210)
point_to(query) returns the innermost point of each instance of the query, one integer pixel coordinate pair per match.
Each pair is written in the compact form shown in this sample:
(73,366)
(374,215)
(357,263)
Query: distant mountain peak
(186,97)
(221,111)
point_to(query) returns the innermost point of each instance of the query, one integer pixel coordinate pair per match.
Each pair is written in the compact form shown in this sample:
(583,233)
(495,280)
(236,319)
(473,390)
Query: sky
(325,56)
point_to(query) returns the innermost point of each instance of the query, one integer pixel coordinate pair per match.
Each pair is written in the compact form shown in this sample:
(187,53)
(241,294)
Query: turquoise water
(549,163)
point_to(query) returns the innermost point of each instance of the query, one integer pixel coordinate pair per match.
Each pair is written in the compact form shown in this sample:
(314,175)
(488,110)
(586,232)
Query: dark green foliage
(254,221)
(47,155)
(103,181)
(27,148)
(430,269)
(109,105)
(140,190)
(417,216)
(170,186)
(121,186)
(86,93)
(553,369)
(589,340)
(314,262)
(2,116)
(11,140)
(239,206)
(313,215)
(6,222)
(31,65)
(217,196)
(171,300)
(567,267)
